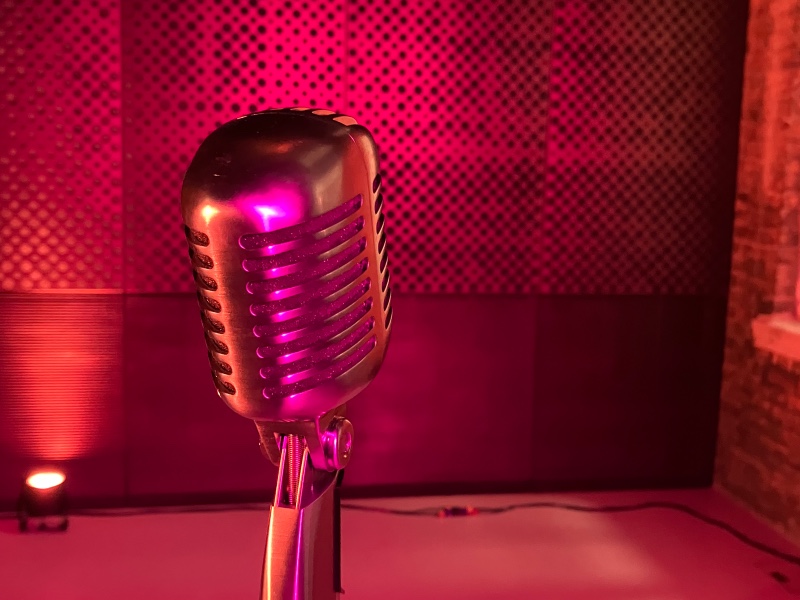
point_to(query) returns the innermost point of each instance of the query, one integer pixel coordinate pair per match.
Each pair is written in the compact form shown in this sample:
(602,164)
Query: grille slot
(196,237)
(339,367)
(199,260)
(204,282)
(254,241)
(211,324)
(380,229)
(325,267)
(332,299)
(327,353)
(295,256)
(330,330)
(223,386)
(219,365)
(208,306)
(329,288)
(215,345)
(387,298)
(326,311)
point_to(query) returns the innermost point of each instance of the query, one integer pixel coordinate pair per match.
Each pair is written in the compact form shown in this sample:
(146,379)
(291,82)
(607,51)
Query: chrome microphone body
(283,215)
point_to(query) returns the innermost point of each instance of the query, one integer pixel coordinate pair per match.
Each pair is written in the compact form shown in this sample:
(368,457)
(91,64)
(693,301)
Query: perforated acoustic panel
(553,146)
(60,200)
(191,66)
(641,146)
(456,95)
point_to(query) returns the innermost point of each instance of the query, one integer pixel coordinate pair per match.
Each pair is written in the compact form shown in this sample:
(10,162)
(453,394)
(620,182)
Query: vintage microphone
(282,211)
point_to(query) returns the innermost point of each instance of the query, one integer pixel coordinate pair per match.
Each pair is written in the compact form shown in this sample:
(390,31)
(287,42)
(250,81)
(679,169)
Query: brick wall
(758,457)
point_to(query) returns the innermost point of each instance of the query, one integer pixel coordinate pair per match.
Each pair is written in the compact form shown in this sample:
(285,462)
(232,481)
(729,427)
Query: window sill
(779,334)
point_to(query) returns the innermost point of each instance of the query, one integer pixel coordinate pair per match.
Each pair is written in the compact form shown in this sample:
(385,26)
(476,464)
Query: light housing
(43,501)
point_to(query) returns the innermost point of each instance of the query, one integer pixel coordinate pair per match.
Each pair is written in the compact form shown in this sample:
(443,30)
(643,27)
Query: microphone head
(283,215)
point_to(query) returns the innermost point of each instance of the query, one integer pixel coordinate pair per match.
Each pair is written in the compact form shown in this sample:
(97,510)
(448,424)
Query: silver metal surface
(289,255)
(338,443)
(301,561)
(288,247)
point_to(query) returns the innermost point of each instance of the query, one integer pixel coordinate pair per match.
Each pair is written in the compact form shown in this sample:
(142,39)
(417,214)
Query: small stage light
(43,502)
(45,480)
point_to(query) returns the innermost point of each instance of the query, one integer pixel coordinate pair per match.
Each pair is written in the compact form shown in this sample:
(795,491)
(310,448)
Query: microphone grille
(383,253)
(198,240)
(314,327)
(296,309)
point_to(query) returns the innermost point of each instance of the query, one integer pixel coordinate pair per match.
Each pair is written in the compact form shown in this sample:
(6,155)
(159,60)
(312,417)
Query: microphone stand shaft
(302,558)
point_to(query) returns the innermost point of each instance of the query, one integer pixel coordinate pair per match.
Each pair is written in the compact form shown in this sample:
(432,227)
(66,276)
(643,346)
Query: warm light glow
(63,398)
(208,212)
(44,480)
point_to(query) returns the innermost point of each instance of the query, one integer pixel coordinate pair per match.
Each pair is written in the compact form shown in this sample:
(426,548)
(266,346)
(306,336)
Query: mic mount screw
(338,443)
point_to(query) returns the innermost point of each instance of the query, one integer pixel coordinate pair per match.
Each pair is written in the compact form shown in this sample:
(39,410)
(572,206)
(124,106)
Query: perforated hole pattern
(60,146)
(554,146)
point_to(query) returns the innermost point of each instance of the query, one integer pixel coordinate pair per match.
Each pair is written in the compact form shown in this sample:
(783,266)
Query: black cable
(456,511)
(622,508)
(167,510)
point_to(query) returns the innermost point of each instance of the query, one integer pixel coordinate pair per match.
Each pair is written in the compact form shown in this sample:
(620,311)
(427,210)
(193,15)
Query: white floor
(528,554)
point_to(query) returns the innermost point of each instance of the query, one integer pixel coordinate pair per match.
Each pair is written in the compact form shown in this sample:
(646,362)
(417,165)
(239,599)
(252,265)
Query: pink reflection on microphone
(278,206)
(268,213)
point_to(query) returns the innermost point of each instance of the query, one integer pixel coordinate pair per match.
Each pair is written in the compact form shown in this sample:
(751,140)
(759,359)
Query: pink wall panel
(60,139)
(556,147)
(641,147)
(456,95)
(189,67)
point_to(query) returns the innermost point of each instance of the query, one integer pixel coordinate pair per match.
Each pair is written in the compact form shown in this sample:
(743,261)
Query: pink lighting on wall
(604,130)
(59,402)
(60,146)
